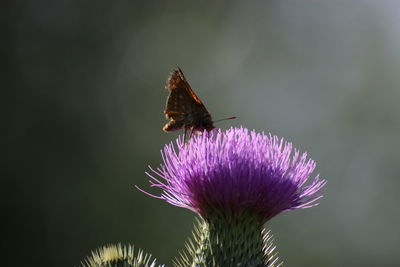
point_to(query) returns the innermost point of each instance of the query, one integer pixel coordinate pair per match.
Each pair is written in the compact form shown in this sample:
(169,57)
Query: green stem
(234,241)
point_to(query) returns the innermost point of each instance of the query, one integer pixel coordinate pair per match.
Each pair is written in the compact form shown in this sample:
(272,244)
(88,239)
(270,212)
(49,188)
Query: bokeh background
(83,99)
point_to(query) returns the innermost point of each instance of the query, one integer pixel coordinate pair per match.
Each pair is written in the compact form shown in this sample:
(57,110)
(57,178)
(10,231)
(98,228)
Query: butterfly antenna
(230,118)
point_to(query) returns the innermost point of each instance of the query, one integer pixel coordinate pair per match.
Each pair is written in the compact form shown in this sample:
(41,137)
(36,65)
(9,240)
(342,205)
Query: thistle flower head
(119,255)
(236,171)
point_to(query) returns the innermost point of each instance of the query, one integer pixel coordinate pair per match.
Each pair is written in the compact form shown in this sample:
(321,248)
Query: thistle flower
(236,180)
(236,171)
(119,255)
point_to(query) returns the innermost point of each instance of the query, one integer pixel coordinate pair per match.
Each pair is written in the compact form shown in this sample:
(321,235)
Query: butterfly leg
(191,132)
(184,135)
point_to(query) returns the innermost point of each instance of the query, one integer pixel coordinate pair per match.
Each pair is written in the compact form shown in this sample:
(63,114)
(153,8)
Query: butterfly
(184,109)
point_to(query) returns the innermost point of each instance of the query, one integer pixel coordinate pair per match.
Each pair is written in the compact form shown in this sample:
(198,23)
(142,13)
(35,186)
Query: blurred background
(83,92)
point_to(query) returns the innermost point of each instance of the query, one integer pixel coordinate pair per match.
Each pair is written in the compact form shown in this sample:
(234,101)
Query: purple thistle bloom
(234,172)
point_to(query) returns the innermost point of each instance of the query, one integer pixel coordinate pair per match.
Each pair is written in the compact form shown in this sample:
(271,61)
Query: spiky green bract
(222,241)
(118,256)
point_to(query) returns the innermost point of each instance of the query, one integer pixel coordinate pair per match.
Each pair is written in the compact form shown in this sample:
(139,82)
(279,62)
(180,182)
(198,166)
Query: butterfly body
(184,109)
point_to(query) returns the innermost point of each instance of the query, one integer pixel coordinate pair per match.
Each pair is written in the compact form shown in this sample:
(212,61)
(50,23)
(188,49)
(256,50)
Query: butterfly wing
(181,98)
(182,104)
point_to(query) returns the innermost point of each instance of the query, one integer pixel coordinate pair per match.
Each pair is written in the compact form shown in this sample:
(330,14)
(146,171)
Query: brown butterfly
(184,109)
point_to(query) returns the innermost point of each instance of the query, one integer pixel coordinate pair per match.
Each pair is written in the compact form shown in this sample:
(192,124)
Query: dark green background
(82,107)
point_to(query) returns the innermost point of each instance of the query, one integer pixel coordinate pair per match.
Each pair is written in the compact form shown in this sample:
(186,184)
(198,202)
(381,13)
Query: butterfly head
(205,123)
